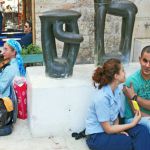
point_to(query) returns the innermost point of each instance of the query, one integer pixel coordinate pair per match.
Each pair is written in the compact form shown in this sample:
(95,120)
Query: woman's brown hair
(105,74)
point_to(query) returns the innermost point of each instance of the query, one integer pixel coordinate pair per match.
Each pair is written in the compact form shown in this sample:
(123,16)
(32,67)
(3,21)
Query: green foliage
(31,49)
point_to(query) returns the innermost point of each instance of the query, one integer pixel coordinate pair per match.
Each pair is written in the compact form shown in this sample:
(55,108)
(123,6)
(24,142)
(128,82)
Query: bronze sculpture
(61,25)
(127,10)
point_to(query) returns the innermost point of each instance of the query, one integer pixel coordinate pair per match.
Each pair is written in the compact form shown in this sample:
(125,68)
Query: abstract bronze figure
(127,10)
(61,25)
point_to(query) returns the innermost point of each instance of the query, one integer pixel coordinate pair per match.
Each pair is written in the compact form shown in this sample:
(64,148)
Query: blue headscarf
(17,47)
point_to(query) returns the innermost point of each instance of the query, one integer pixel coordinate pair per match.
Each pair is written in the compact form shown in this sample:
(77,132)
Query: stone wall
(86,25)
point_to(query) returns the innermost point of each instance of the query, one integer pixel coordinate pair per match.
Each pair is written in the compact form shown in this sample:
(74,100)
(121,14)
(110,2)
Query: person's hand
(129,91)
(136,118)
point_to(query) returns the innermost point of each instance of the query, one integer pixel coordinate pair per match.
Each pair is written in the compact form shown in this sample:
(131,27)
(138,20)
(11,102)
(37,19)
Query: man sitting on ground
(138,88)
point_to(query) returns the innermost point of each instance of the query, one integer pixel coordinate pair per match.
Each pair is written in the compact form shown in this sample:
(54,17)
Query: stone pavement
(21,139)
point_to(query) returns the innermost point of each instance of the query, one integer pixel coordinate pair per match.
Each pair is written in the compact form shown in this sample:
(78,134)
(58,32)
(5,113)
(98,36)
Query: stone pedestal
(57,107)
(139,44)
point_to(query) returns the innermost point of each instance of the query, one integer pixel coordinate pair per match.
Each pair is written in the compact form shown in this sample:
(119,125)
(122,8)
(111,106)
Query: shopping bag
(20,88)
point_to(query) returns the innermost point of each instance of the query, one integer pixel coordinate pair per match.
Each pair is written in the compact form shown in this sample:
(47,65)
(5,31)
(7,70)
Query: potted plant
(32,54)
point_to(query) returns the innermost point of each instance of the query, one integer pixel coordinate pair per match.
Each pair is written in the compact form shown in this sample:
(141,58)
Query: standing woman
(12,52)
(1,14)
(102,125)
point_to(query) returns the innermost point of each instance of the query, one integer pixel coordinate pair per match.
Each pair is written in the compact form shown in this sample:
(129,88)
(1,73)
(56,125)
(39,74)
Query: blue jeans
(144,121)
(138,139)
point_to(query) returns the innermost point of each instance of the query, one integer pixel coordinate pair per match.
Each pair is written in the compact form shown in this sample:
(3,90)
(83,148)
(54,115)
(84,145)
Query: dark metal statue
(61,25)
(127,10)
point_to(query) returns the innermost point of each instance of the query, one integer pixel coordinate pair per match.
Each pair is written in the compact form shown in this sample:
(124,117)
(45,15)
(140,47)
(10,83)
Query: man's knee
(146,124)
(139,130)
(127,141)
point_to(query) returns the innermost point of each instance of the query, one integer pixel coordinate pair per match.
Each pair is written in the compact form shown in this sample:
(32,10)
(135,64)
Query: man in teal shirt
(138,87)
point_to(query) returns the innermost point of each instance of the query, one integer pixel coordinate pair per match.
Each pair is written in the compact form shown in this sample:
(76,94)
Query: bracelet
(134,97)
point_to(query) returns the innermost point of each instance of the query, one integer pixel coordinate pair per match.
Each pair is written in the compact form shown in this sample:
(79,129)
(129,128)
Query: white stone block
(139,44)
(57,107)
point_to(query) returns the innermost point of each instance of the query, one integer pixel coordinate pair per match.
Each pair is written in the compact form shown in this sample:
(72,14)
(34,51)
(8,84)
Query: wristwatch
(134,97)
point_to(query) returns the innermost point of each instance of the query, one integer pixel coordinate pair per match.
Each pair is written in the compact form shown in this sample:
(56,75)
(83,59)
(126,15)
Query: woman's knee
(143,129)
(146,123)
(126,143)
(113,142)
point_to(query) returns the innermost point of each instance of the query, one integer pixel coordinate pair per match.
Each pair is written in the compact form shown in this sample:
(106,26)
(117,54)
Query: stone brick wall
(86,25)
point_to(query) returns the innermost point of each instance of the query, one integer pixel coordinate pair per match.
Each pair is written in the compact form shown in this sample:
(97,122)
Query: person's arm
(116,128)
(145,103)
(6,78)
(130,93)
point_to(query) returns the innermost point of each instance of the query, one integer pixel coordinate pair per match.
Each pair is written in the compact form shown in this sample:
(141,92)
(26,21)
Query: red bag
(20,88)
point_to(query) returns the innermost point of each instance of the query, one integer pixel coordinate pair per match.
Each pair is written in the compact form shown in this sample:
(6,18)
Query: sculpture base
(57,107)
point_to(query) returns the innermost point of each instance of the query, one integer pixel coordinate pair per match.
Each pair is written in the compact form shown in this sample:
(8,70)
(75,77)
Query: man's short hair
(29,23)
(145,49)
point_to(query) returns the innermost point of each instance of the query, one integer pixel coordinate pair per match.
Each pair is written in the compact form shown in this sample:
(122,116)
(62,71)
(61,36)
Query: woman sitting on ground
(102,126)
(12,52)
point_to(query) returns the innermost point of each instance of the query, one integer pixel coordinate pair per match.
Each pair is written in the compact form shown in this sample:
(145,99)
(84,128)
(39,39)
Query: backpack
(6,116)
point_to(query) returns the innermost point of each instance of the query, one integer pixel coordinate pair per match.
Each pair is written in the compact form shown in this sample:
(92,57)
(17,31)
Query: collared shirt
(6,77)
(105,106)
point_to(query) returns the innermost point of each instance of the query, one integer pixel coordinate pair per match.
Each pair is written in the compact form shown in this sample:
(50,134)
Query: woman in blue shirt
(12,52)
(102,125)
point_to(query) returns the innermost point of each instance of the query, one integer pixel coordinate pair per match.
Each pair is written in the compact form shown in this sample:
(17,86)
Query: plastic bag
(20,88)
